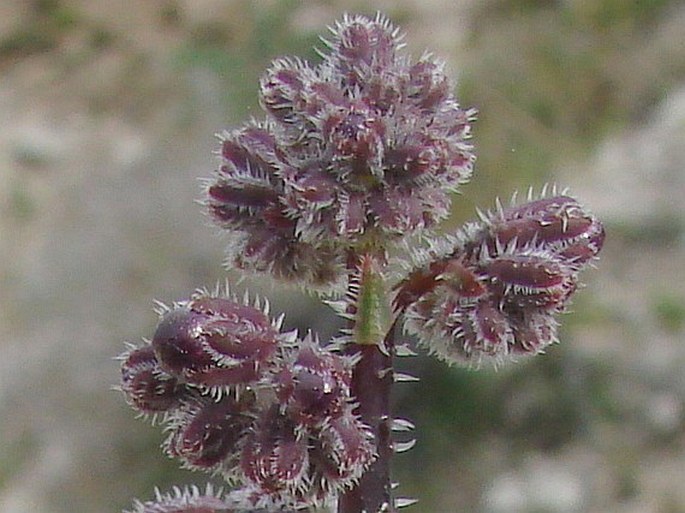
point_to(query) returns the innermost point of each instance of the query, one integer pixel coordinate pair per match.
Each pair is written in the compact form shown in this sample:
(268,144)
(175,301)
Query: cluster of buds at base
(494,289)
(360,150)
(242,399)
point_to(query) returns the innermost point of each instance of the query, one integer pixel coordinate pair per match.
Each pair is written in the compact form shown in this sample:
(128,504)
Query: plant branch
(372,382)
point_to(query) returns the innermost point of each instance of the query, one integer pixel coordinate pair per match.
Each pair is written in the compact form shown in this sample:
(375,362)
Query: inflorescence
(354,155)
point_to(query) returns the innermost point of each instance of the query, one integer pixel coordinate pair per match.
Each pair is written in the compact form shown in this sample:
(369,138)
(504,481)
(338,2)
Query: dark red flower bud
(533,331)
(289,259)
(460,279)
(246,184)
(283,88)
(310,187)
(530,279)
(460,332)
(215,342)
(177,343)
(557,224)
(275,457)
(146,386)
(342,452)
(314,385)
(355,137)
(362,49)
(401,210)
(428,85)
(205,434)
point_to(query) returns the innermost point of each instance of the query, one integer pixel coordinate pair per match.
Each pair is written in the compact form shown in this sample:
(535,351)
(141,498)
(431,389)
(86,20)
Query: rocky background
(108,110)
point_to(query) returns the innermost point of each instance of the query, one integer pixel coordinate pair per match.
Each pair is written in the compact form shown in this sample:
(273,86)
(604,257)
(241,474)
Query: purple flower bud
(214,342)
(315,385)
(402,210)
(205,434)
(451,273)
(275,458)
(533,331)
(342,452)
(355,137)
(530,279)
(246,185)
(283,89)
(557,224)
(363,45)
(289,259)
(146,386)
(457,331)
(427,86)
(497,290)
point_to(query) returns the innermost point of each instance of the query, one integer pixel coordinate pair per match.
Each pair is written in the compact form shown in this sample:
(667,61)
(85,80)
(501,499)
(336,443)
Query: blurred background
(108,111)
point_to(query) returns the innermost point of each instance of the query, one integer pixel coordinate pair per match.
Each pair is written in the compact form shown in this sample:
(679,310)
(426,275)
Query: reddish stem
(372,382)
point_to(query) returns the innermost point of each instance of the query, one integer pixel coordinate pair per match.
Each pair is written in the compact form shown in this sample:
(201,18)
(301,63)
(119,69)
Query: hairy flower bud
(275,457)
(206,434)
(146,386)
(530,278)
(314,385)
(283,89)
(495,291)
(557,224)
(342,452)
(215,343)
(366,146)
(243,400)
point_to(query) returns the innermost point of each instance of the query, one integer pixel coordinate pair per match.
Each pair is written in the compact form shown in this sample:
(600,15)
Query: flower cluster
(355,152)
(497,286)
(242,399)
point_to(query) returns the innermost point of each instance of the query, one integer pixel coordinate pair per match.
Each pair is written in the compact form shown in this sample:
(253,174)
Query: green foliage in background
(553,78)
(238,52)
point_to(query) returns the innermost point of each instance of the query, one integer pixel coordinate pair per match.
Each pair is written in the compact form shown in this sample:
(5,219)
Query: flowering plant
(339,189)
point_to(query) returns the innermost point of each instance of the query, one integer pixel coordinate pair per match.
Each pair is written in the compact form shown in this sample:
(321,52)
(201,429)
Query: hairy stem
(371,385)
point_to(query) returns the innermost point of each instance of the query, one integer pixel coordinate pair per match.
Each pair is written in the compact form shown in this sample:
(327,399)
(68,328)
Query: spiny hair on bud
(207,435)
(403,502)
(312,268)
(313,383)
(257,302)
(419,251)
(344,448)
(462,335)
(275,455)
(495,294)
(147,388)
(217,341)
(380,20)
(251,499)
(500,210)
(551,223)
(185,500)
